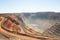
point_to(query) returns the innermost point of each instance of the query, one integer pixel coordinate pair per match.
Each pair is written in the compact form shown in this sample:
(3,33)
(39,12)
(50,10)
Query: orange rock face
(11,23)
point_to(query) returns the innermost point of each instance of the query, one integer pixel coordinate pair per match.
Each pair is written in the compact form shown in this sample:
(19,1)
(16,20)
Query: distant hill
(43,15)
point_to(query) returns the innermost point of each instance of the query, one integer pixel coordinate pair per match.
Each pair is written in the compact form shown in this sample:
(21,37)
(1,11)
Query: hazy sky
(29,5)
